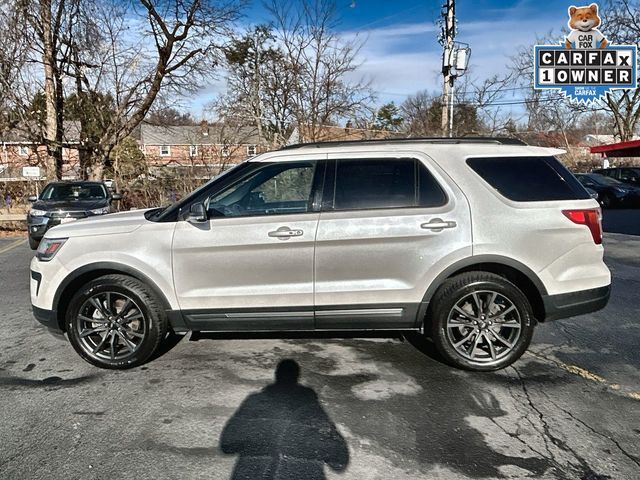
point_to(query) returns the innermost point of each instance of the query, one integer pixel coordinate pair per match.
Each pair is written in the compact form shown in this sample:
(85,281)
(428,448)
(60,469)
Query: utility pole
(448,37)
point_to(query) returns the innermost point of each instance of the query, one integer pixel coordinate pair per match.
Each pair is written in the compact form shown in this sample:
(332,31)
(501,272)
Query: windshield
(73,191)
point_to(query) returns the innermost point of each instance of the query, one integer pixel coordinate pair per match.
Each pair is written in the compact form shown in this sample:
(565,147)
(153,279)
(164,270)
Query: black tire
(151,323)
(444,313)
(33,243)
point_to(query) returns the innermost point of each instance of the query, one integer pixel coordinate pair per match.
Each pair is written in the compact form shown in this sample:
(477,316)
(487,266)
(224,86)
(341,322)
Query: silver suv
(470,241)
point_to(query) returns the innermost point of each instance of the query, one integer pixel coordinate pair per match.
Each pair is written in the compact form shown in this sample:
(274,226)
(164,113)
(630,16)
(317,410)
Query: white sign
(30,171)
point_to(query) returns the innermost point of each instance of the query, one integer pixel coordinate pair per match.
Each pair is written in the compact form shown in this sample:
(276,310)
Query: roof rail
(433,140)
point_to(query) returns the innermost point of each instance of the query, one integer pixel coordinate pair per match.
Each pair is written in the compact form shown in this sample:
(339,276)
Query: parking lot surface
(383,408)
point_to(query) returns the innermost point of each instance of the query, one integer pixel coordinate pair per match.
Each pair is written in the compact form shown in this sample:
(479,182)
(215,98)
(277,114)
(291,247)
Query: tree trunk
(52,83)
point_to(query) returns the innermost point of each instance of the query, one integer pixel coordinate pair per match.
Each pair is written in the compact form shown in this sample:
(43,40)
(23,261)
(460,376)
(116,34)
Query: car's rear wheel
(481,321)
(115,321)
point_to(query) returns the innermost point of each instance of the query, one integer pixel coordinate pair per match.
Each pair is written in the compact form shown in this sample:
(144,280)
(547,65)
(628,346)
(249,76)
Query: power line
(388,17)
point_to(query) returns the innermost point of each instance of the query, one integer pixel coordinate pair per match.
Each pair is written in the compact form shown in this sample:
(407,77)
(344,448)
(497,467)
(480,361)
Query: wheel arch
(90,272)
(516,272)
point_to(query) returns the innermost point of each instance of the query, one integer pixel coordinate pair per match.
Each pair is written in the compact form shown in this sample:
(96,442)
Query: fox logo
(583,22)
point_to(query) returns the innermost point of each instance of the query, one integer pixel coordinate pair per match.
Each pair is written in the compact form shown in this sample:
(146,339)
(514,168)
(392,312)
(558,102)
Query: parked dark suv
(63,202)
(630,175)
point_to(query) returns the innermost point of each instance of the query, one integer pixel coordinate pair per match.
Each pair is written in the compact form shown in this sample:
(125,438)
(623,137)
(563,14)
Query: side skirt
(327,318)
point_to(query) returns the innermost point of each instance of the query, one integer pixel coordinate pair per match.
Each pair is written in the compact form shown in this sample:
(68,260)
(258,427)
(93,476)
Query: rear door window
(385,183)
(529,179)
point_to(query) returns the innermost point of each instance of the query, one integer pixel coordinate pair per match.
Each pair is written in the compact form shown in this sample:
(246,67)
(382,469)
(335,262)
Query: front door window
(272,190)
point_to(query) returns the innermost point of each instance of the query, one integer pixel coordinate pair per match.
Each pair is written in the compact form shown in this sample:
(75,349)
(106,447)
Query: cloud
(401,59)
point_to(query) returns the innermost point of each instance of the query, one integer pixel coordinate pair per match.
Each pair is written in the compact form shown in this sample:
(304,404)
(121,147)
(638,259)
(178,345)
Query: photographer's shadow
(283,433)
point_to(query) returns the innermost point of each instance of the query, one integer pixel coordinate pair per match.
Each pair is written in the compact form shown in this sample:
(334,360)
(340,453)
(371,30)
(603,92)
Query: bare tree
(260,86)
(420,116)
(320,63)
(13,58)
(177,51)
(134,50)
(622,26)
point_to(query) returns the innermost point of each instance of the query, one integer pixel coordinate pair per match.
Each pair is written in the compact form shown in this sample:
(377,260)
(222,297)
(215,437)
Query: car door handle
(283,233)
(437,225)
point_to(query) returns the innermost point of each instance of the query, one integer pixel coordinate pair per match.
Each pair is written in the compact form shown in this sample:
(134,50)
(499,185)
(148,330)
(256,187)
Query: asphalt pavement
(364,408)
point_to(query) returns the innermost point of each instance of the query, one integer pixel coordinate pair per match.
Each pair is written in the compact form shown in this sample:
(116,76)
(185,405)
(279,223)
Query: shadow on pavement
(169,343)
(282,432)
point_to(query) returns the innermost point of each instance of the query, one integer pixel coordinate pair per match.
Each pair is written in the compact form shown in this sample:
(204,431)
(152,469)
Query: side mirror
(33,198)
(197,213)
(116,196)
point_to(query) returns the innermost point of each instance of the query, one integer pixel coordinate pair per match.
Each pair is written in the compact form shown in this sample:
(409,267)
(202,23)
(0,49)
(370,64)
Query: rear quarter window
(529,179)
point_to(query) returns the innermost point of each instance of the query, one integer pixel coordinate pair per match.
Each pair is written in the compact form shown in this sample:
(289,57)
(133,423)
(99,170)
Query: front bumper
(37,226)
(49,318)
(575,303)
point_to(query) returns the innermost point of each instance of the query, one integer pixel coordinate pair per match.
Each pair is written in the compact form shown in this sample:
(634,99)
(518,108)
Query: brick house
(18,149)
(207,147)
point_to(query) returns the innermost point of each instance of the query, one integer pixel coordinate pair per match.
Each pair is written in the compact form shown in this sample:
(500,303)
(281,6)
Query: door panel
(250,266)
(236,263)
(387,257)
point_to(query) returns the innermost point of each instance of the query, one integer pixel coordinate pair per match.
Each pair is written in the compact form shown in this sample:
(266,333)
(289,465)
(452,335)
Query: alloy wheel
(484,326)
(110,326)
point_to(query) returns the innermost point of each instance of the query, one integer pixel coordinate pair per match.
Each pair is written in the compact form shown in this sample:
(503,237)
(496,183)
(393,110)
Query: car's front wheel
(115,321)
(481,321)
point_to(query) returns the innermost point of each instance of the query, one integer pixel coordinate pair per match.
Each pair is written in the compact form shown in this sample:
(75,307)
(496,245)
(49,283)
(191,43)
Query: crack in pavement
(590,428)
(584,469)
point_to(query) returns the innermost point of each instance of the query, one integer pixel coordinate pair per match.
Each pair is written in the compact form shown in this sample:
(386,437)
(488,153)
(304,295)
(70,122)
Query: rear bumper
(575,303)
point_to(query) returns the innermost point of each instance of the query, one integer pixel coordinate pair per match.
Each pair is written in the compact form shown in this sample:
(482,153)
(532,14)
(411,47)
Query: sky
(401,54)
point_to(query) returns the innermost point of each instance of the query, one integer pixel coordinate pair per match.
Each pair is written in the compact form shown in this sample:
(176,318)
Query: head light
(48,248)
(34,212)
(100,211)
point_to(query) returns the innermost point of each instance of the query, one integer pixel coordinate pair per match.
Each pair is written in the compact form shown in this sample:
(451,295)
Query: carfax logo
(586,66)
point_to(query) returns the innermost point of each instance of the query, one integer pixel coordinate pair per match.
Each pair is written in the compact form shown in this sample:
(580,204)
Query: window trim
(328,203)
(168,154)
(255,150)
(193,150)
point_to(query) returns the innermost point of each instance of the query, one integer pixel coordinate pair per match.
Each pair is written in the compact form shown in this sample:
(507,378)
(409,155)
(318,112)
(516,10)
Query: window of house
(385,183)
(193,150)
(165,150)
(225,152)
(252,150)
(23,150)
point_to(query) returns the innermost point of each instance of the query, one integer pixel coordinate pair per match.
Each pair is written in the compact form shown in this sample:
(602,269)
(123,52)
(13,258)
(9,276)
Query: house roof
(32,133)
(326,133)
(598,139)
(204,134)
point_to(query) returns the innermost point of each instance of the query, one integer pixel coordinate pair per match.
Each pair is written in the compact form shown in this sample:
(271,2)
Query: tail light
(591,218)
